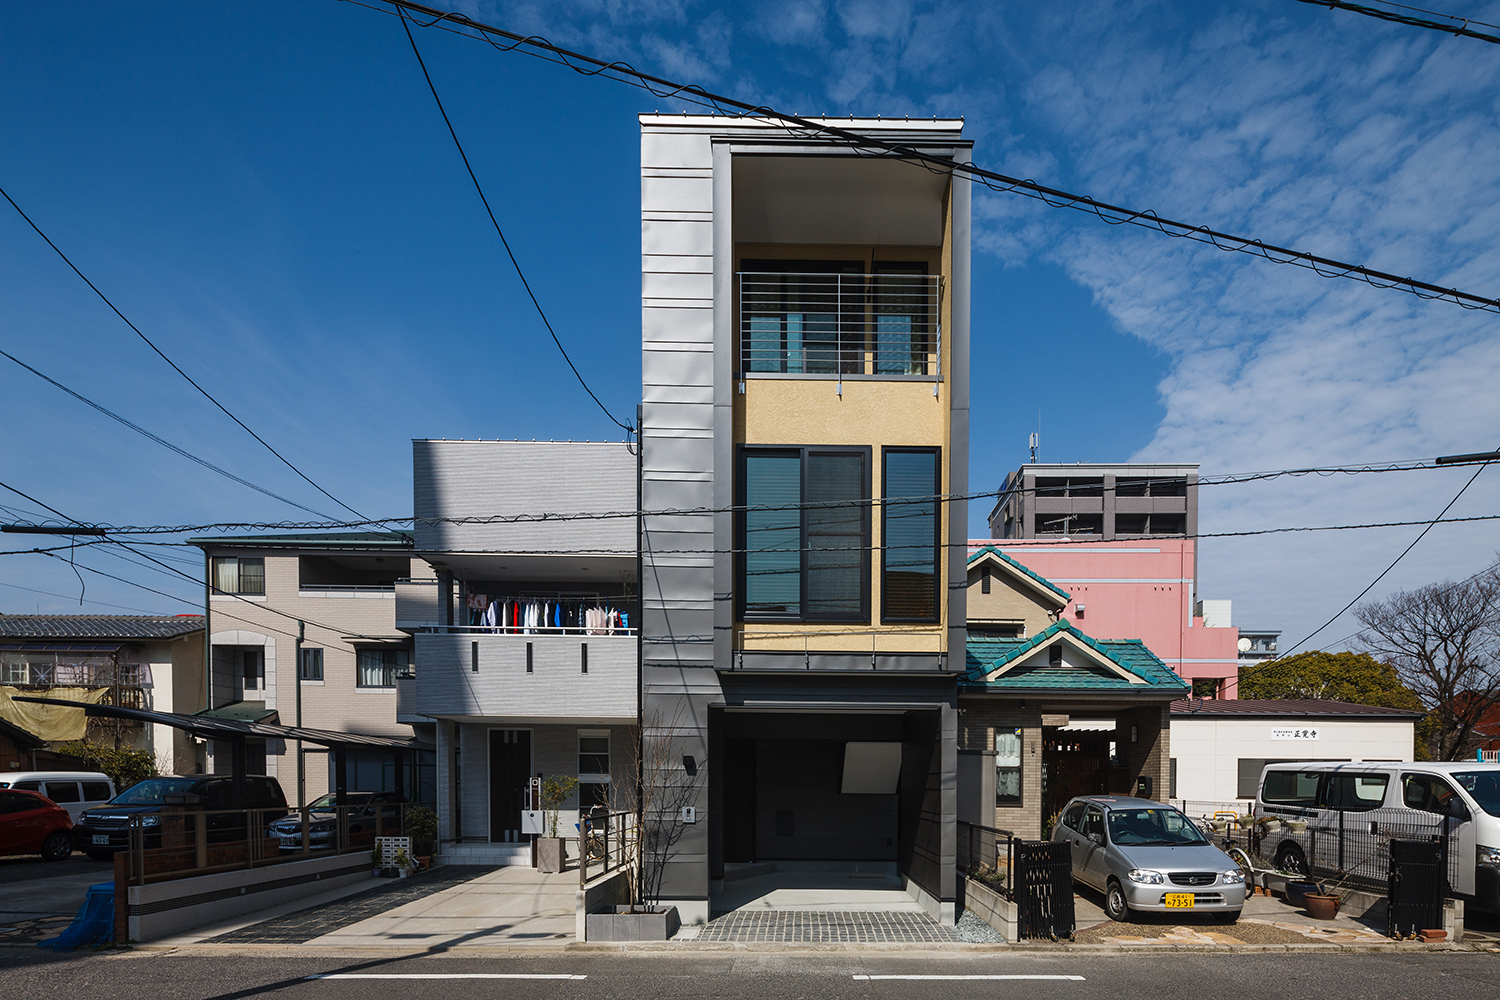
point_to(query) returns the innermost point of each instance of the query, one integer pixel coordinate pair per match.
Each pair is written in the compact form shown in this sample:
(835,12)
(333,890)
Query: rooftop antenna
(1036,439)
(1033,447)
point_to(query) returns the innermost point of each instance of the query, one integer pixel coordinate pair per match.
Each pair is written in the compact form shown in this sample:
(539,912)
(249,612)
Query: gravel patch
(972,930)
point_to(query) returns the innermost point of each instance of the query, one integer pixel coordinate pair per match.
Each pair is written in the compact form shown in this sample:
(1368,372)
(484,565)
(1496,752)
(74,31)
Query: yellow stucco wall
(857,412)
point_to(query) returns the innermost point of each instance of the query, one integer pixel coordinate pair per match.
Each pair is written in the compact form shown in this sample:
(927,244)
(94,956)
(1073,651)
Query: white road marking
(441,975)
(1077,979)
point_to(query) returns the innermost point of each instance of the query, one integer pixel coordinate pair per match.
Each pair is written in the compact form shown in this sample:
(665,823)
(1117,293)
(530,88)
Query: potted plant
(1297,825)
(421,827)
(1321,906)
(403,863)
(549,849)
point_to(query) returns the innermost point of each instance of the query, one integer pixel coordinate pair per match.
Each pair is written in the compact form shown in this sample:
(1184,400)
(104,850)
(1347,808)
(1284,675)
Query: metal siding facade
(482,478)
(556,687)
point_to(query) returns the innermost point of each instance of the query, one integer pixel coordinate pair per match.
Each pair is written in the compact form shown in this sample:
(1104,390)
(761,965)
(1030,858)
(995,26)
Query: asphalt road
(38,975)
(24,869)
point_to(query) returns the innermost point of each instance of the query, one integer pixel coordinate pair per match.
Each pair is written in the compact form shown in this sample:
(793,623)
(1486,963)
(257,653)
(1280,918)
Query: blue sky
(268,192)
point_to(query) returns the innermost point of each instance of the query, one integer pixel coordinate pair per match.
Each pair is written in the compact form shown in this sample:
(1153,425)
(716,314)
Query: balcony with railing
(845,326)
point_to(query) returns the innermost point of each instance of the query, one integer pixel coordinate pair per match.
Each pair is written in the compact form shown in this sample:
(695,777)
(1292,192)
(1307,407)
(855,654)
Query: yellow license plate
(1179,901)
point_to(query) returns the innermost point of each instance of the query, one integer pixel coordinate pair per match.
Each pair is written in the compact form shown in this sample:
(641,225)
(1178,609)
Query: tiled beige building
(333,597)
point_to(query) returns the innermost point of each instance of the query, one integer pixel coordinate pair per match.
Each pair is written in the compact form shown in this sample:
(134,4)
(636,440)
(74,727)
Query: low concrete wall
(606,890)
(1373,906)
(993,908)
(166,908)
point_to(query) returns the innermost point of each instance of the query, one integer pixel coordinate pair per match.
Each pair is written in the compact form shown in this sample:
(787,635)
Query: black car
(102,831)
(360,810)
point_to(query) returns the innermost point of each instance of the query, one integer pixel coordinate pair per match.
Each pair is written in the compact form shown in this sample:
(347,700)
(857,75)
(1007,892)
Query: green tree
(124,765)
(1356,678)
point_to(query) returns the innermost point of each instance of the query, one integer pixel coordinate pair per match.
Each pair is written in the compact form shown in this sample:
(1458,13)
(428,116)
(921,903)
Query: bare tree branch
(1444,641)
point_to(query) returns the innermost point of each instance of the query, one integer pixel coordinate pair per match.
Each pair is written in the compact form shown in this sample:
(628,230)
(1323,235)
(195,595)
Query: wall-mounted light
(689,764)
(1135,734)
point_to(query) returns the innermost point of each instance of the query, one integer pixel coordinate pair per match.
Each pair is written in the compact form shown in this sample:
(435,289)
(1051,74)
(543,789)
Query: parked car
(75,791)
(322,826)
(103,831)
(1145,855)
(31,823)
(1367,804)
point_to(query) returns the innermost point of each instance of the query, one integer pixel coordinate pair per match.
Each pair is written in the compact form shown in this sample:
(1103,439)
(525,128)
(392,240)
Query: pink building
(1139,589)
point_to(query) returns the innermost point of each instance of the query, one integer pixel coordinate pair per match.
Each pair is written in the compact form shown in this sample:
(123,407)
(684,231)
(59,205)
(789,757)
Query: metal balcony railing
(841,325)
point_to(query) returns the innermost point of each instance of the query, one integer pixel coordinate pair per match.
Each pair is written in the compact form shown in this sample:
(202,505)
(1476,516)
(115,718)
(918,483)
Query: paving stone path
(818,927)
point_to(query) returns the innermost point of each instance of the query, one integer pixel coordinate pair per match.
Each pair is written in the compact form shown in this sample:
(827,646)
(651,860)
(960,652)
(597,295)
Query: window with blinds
(804,534)
(909,528)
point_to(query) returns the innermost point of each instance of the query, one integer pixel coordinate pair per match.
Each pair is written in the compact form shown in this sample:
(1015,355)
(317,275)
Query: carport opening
(823,810)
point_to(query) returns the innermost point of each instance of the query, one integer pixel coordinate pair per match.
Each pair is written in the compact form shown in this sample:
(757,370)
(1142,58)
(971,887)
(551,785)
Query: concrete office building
(804,354)
(1103,501)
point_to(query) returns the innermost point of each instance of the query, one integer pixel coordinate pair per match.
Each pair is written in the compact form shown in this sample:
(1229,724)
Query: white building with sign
(1220,747)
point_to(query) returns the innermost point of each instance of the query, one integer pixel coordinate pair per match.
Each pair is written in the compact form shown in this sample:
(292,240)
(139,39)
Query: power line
(1053,197)
(501,233)
(159,440)
(1414,541)
(1019,544)
(1461,28)
(206,394)
(550,516)
(69,597)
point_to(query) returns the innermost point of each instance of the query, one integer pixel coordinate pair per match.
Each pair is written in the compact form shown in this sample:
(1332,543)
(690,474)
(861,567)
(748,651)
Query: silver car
(1144,855)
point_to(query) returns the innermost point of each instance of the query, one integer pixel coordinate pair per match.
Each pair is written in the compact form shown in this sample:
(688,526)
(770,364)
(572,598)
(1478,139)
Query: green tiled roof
(985,654)
(1037,577)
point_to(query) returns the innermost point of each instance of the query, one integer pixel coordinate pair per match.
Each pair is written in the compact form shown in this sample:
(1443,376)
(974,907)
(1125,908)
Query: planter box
(617,923)
(549,854)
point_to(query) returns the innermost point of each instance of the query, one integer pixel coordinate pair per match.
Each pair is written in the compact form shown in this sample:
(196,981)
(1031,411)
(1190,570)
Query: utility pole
(297,675)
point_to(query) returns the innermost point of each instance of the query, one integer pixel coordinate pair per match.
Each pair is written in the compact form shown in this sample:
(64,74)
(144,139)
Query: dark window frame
(310,666)
(215,564)
(866,453)
(937,535)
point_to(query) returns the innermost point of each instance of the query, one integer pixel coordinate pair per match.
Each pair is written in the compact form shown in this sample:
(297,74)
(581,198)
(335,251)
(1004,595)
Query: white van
(1341,818)
(75,791)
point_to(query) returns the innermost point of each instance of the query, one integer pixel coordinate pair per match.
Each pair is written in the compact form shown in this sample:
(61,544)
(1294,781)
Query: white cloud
(1386,156)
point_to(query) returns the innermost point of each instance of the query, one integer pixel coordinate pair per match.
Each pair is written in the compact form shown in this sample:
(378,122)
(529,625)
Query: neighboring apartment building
(1103,501)
(525,633)
(135,661)
(302,632)
(805,324)
(1138,590)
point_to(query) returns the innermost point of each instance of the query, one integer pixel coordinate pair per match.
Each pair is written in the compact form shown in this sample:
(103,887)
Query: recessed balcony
(840,326)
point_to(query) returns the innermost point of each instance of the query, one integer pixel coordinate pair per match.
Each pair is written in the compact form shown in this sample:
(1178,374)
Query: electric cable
(159,440)
(857,142)
(68,597)
(501,233)
(206,394)
(550,516)
(1416,22)
(1422,534)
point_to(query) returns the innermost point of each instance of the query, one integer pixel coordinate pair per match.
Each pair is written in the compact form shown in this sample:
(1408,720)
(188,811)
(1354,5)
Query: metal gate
(1417,884)
(1044,889)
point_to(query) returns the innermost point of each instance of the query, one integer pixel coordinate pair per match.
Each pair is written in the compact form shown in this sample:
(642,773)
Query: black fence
(1036,875)
(1353,849)
(1044,889)
(1416,886)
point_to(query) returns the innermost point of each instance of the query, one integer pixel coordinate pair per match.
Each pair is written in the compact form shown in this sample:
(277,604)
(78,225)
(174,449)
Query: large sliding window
(805,535)
(909,528)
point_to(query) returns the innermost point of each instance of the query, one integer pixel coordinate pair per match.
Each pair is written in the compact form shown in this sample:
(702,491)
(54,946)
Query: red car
(31,823)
